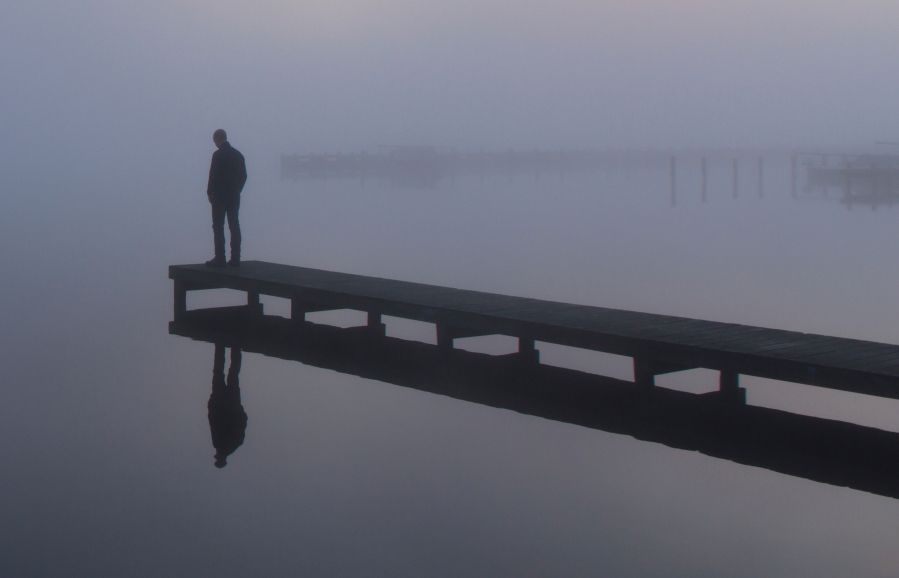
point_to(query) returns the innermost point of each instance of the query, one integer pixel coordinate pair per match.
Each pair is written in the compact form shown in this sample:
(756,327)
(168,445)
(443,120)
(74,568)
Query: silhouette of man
(227,419)
(227,176)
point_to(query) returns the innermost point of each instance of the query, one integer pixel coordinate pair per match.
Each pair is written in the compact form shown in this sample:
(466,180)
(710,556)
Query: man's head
(219,137)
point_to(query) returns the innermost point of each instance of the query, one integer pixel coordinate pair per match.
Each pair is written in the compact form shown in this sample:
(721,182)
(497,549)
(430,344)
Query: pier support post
(729,388)
(643,374)
(444,337)
(375,325)
(297,311)
(180,300)
(527,351)
(729,381)
(253,303)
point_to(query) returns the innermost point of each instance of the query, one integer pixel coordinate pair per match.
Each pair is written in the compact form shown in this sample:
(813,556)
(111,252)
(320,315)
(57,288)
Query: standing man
(227,176)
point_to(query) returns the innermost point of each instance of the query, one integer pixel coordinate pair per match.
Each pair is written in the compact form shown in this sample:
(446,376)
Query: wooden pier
(822,450)
(658,344)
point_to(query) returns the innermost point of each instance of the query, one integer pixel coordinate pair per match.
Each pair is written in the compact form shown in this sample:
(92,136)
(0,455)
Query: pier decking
(657,343)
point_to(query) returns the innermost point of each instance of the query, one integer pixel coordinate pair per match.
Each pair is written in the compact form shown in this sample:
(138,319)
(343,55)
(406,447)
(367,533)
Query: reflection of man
(227,176)
(227,419)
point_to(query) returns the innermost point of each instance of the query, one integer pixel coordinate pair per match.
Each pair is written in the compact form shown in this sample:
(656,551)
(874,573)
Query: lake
(109,466)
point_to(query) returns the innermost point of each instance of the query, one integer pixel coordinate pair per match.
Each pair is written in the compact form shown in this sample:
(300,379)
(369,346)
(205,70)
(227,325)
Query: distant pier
(860,179)
(426,165)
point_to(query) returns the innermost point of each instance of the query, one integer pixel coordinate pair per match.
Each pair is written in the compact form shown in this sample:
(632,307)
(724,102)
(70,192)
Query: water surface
(108,456)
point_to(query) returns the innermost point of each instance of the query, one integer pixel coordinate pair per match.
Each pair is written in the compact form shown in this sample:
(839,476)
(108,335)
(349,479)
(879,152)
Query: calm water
(107,455)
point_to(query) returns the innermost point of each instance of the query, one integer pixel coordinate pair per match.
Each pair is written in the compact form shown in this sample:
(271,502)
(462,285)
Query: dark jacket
(227,172)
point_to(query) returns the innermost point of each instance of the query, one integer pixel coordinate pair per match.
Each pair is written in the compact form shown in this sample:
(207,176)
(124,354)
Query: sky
(105,83)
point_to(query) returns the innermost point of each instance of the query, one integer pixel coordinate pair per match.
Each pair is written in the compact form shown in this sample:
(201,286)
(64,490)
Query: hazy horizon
(104,84)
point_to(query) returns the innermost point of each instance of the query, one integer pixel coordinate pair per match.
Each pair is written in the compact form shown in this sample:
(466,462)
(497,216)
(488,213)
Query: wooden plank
(515,309)
(814,344)
(728,341)
(886,366)
(841,357)
(860,359)
(872,348)
(753,343)
(713,334)
(878,364)
(846,347)
(660,325)
(789,348)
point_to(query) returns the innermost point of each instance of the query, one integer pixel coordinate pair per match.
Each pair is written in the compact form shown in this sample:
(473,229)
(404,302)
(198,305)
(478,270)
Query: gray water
(107,458)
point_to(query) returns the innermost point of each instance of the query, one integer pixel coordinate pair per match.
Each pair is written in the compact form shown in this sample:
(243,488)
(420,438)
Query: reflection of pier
(658,343)
(817,449)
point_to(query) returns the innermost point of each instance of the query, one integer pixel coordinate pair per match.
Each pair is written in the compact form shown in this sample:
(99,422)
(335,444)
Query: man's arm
(215,171)
(241,173)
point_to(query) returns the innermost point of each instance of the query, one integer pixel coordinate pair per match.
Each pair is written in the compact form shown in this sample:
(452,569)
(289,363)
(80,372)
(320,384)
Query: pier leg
(527,351)
(729,381)
(180,300)
(729,388)
(253,303)
(297,312)
(375,325)
(643,374)
(444,337)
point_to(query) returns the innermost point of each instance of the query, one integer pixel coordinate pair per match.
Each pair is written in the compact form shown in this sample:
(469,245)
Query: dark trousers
(229,207)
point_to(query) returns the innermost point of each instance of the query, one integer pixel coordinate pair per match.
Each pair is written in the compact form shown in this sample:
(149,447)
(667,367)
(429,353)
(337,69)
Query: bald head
(218,137)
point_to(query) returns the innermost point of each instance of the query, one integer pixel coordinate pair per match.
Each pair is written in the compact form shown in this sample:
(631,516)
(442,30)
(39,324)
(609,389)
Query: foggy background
(107,84)
(108,109)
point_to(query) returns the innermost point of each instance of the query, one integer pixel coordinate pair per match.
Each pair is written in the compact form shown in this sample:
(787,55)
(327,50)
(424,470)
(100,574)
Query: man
(227,176)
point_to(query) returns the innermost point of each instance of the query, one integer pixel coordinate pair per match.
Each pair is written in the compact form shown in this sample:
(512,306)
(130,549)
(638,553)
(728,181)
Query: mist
(140,83)
(108,114)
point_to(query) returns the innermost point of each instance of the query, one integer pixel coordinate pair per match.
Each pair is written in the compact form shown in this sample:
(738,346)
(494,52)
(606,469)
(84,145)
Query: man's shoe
(234,262)
(216,262)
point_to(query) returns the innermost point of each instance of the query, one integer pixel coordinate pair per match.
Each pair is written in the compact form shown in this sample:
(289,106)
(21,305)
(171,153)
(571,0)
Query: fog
(108,113)
(144,82)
